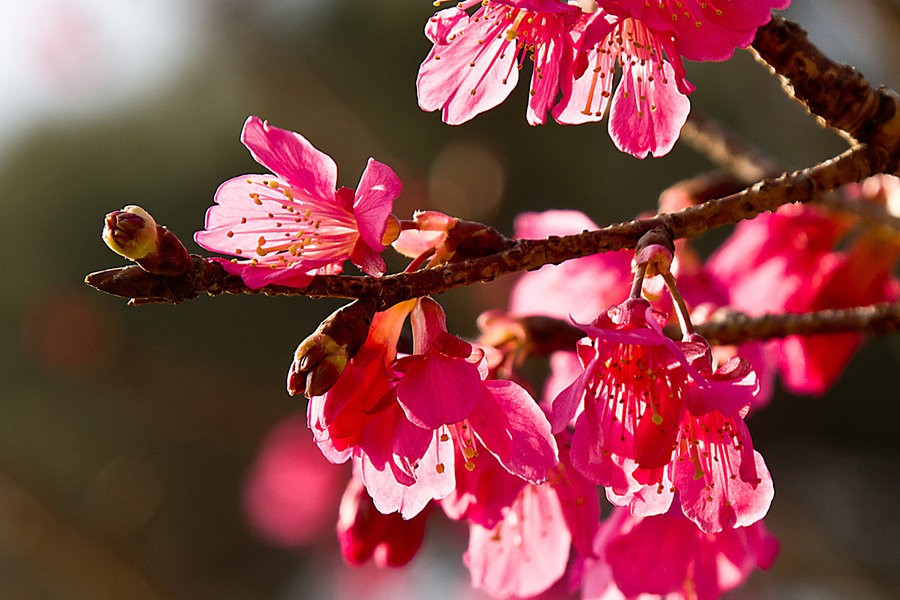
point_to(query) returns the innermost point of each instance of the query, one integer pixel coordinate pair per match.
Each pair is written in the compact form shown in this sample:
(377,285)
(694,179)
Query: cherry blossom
(286,227)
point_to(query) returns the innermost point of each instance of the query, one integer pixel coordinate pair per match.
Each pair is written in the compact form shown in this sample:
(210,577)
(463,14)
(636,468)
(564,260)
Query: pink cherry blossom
(442,387)
(786,262)
(666,555)
(286,227)
(631,394)
(403,420)
(474,64)
(702,29)
(649,105)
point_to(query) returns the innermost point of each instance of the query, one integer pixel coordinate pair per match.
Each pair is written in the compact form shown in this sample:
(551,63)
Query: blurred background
(130,437)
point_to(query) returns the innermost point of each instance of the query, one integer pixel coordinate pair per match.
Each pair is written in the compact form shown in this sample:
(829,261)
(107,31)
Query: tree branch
(524,255)
(837,94)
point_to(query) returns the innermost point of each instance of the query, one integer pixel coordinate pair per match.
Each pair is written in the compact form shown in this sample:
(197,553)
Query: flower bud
(131,232)
(134,234)
(320,359)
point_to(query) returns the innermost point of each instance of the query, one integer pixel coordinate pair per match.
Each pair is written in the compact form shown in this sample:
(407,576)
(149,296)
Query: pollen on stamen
(439,468)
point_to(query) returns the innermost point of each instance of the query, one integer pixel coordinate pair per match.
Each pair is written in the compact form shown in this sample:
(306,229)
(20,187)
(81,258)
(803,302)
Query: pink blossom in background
(364,533)
(474,64)
(786,262)
(285,228)
(667,555)
(277,501)
(581,288)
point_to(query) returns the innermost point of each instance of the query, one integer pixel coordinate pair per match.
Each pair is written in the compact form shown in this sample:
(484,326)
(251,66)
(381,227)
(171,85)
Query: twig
(524,255)
(549,334)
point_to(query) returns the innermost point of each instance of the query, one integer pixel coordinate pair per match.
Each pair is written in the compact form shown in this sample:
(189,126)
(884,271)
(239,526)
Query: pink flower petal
(378,187)
(647,111)
(290,156)
(524,554)
(438,390)
(525,446)
(447,82)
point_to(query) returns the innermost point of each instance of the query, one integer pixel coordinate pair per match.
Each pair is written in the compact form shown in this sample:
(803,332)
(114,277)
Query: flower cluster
(576,48)
(657,423)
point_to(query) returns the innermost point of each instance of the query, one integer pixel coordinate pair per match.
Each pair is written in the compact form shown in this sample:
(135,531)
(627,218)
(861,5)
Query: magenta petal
(428,322)
(290,156)
(525,553)
(646,116)
(378,187)
(663,542)
(437,390)
(567,403)
(531,449)
(729,503)
(256,277)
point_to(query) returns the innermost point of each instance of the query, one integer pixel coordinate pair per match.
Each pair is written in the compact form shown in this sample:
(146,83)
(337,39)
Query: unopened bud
(134,234)
(130,232)
(321,358)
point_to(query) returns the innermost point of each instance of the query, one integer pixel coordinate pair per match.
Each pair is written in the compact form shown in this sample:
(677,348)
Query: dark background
(126,433)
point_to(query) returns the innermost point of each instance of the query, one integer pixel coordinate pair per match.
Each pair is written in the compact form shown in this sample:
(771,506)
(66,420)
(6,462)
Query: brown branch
(548,334)
(737,328)
(524,255)
(837,94)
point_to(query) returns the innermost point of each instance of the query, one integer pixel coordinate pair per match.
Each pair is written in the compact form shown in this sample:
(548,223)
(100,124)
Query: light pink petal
(524,554)
(256,277)
(290,156)
(647,111)
(447,82)
(432,482)
(438,390)
(586,94)
(368,261)
(525,447)
(378,187)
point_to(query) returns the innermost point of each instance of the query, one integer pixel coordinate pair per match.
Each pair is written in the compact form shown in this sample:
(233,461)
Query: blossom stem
(681,309)
(637,284)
